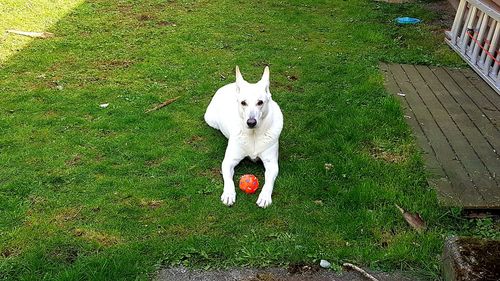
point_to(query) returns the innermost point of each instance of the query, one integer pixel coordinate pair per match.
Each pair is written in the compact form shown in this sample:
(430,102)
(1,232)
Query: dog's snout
(251,122)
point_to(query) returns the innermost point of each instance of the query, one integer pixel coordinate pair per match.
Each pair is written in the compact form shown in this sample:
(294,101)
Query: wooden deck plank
(466,154)
(463,189)
(437,177)
(433,166)
(453,118)
(476,120)
(479,119)
(487,128)
(482,103)
(485,150)
(484,88)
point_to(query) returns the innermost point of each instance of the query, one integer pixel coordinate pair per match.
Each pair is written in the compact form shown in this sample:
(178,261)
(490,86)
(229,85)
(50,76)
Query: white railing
(475,36)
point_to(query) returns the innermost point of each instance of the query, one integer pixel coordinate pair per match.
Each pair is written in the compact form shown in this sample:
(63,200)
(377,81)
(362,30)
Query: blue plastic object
(407,20)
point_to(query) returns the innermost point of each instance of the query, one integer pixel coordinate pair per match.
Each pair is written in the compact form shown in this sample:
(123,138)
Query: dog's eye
(260,102)
(244,103)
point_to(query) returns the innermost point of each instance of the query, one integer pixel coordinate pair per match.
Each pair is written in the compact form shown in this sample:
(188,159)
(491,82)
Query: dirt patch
(101,238)
(9,252)
(177,230)
(155,162)
(150,203)
(85,34)
(212,173)
(36,200)
(445,11)
(50,114)
(54,67)
(145,17)
(166,23)
(302,268)
(74,161)
(195,139)
(65,254)
(124,8)
(279,86)
(384,237)
(261,64)
(387,156)
(113,64)
(266,276)
(68,214)
(197,142)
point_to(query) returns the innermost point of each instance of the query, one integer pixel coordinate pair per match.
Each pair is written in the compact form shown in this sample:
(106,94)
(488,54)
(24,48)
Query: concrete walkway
(272,274)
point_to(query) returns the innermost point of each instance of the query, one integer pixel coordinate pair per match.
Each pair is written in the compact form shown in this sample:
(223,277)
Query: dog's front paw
(264,200)
(228,197)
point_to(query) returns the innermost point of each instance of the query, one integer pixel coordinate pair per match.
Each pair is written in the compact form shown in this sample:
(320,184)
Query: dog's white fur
(232,110)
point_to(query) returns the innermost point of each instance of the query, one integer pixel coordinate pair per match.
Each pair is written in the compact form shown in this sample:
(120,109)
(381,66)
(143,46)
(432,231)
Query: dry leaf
(413,219)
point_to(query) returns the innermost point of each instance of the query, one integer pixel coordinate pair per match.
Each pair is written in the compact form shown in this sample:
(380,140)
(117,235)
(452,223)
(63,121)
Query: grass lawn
(114,193)
(29,16)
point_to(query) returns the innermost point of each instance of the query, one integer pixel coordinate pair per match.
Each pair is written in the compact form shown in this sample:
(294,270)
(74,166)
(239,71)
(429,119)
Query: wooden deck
(455,118)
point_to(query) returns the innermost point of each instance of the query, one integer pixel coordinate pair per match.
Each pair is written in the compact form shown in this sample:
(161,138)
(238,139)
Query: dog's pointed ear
(265,79)
(239,78)
(265,76)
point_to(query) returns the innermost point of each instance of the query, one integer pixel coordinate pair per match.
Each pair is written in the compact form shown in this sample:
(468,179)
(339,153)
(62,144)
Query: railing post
(480,36)
(458,20)
(475,36)
(491,49)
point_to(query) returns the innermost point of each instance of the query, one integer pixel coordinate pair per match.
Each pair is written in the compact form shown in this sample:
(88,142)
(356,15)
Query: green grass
(108,194)
(37,15)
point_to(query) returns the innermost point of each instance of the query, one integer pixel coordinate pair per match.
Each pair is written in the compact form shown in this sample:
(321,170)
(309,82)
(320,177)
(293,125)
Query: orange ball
(249,184)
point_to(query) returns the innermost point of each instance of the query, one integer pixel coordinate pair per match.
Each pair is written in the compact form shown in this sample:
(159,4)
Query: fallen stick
(360,270)
(163,104)
(42,35)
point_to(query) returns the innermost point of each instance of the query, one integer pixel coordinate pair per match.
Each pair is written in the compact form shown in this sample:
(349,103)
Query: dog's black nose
(251,122)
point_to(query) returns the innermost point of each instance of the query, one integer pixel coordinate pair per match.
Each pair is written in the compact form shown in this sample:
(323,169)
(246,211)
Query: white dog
(252,122)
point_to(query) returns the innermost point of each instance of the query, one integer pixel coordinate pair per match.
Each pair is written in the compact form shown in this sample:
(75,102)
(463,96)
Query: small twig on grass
(360,270)
(163,104)
(42,35)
